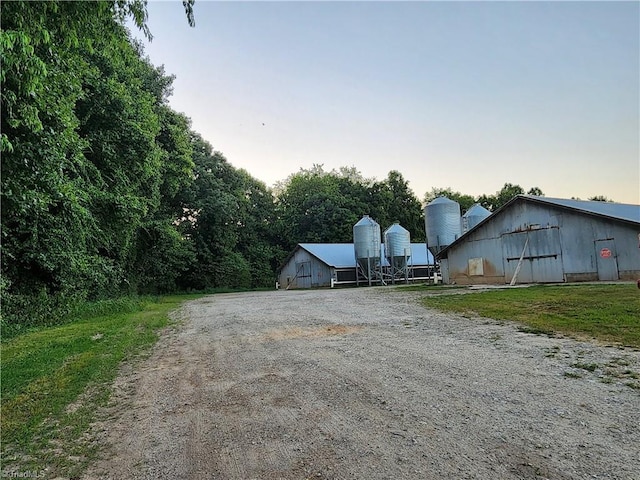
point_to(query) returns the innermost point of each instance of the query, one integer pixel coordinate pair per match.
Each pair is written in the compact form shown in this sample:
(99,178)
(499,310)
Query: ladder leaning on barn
(515,274)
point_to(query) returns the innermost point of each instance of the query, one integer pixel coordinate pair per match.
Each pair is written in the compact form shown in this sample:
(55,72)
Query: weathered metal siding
(489,250)
(583,236)
(320,274)
(444,270)
(540,252)
(562,246)
(303,270)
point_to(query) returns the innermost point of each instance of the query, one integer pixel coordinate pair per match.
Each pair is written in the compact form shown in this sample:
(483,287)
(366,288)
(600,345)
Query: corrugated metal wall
(560,246)
(303,270)
(541,255)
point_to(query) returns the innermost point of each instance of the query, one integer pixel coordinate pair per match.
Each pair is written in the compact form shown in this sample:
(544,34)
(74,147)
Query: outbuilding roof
(618,211)
(333,254)
(342,255)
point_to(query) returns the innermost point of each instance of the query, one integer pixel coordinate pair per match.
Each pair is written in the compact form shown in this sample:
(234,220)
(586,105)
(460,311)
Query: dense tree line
(318,206)
(106,191)
(491,202)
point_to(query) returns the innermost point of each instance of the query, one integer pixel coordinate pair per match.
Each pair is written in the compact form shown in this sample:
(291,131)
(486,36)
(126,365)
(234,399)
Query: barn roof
(617,211)
(622,212)
(333,254)
(342,255)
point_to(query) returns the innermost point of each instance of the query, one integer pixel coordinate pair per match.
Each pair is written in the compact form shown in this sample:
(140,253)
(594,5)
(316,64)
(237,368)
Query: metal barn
(547,240)
(312,265)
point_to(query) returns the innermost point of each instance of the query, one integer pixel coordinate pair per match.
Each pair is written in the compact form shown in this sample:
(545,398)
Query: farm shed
(558,240)
(312,265)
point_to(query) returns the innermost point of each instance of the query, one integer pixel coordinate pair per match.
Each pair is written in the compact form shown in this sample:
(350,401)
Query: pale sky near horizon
(467,95)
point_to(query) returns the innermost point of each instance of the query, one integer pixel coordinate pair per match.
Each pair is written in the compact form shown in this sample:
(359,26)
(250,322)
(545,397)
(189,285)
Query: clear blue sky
(467,95)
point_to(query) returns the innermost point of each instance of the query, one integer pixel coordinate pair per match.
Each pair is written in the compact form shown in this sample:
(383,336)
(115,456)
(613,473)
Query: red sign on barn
(605,253)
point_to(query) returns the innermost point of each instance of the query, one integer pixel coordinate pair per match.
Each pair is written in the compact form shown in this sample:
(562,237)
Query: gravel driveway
(367,384)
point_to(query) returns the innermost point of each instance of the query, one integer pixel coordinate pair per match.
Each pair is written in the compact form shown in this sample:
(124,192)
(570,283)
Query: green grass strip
(609,312)
(44,371)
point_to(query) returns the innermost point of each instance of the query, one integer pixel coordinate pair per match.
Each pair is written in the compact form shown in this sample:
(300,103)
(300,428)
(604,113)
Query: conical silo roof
(474,216)
(442,223)
(397,241)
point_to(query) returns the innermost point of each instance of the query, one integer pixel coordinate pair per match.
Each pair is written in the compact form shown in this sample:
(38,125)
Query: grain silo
(366,246)
(397,250)
(442,223)
(474,216)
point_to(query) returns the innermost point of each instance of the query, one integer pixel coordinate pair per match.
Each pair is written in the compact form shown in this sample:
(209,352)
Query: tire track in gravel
(363,383)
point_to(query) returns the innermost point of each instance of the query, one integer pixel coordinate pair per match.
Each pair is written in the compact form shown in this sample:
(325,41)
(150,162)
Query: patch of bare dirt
(298,332)
(366,383)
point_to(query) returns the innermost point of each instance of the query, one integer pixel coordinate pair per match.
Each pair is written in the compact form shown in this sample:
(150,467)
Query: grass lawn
(45,371)
(610,313)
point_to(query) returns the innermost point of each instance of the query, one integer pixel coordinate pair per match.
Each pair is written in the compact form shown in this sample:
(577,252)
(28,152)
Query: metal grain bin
(474,216)
(366,244)
(397,245)
(442,223)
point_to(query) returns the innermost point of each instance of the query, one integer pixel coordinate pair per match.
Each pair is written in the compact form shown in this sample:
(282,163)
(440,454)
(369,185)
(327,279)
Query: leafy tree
(465,201)
(162,254)
(393,201)
(207,220)
(319,206)
(228,217)
(38,39)
(49,230)
(505,194)
(600,198)
(87,152)
(126,159)
(257,238)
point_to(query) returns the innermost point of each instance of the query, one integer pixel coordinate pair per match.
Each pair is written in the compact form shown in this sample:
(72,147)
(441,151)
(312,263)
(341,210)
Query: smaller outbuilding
(312,265)
(534,239)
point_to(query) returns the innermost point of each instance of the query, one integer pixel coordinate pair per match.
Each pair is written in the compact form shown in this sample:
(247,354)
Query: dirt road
(366,384)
